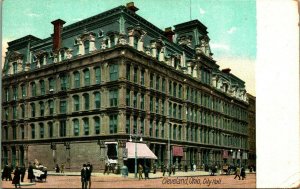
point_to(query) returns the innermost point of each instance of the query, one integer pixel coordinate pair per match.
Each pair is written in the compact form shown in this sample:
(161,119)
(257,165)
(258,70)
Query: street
(116,181)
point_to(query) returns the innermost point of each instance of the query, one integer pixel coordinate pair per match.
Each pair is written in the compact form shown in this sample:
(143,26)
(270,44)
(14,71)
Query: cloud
(202,11)
(220,46)
(231,30)
(31,14)
(76,19)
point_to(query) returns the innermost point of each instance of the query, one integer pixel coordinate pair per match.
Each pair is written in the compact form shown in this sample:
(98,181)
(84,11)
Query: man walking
(84,177)
(140,172)
(243,173)
(237,173)
(22,172)
(90,169)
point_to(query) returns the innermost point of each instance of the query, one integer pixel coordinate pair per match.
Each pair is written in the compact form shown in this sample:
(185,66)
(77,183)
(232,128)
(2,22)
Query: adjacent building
(252,130)
(82,93)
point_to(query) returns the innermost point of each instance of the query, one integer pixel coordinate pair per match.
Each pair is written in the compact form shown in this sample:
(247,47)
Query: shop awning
(177,151)
(143,152)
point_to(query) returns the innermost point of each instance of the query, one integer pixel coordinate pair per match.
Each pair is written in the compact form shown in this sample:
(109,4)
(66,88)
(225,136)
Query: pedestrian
(106,168)
(173,169)
(243,173)
(164,170)
(16,179)
(9,170)
(5,172)
(22,172)
(179,167)
(57,170)
(62,168)
(185,168)
(169,169)
(237,173)
(140,169)
(84,177)
(147,170)
(194,167)
(31,176)
(154,168)
(90,170)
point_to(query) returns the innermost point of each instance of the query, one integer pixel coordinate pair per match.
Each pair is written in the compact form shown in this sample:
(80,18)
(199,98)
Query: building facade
(252,130)
(78,95)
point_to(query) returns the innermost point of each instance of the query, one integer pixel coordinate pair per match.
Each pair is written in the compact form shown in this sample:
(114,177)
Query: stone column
(102,153)
(122,122)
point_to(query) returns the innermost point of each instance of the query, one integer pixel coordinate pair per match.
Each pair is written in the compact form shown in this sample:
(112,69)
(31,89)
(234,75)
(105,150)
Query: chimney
(131,7)
(226,70)
(58,26)
(169,33)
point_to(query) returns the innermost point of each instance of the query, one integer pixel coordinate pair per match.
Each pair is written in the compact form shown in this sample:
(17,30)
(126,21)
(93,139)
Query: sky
(231,24)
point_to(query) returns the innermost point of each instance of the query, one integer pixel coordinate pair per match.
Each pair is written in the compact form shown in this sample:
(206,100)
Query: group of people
(145,170)
(18,172)
(86,173)
(60,169)
(169,170)
(240,173)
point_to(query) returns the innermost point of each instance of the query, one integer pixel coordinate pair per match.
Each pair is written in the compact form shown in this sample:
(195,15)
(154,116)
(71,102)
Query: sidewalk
(151,175)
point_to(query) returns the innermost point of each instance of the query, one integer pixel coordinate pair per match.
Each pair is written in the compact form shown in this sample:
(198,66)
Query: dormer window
(135,41)
(86,46)
(75,41)
(100,33)
(15,67)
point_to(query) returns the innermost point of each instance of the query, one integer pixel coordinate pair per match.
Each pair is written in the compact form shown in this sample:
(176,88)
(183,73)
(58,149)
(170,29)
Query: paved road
(115,181)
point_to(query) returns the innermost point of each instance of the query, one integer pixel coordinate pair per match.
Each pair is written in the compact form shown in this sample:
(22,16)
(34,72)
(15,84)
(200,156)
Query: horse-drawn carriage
(40,173)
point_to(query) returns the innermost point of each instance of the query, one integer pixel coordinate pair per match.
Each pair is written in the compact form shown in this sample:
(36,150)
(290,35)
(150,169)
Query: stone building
(78,95)
(252,130)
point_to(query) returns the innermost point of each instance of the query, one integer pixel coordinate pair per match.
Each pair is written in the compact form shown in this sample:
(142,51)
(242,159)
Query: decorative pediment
(14,56)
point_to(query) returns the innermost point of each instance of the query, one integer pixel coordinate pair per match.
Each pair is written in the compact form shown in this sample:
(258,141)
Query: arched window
(33,89)
(97,71)
(97,98)
(86,46)
(14,132)
(76,79)
(86,101)
(42,87)
(32,131)
(50,129)
(113,72)
(63,82)
(76,103)
(42,108)
(86,77)
(97,125)
(51,84)
(42,132)
(23,90)
(22,132)
(86,127)
(15,93)
(32,105)
(51,107)
(76,127)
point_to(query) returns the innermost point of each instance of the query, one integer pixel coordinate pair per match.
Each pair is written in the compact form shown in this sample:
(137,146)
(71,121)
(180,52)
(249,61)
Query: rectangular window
(62,128)
(76,127)
(86,102)
(23,88)
(142,101)
(142,126)
(43,91)
(179,112)
(174,110)
(14,132)
(157,82)
(51,107)
(97,75)
(127,124)
(179,132)
(143,77)
(163,85)
(162,130)
(156,106)
(113,72)
(170,109)
(163,107)
(135,70)
(63,82)
(174,89)
(63,106)
(22,132)
(170,87)
(179,91)
(113,97)
(15,112)
(135,100)
(15,93)
(127,97)
(151,80)
(151,104)
(113,124)
(151,128)
(128,72)
(33,89)
(157,129)
(135,129)
(174,132)
(86,78)
(51,84)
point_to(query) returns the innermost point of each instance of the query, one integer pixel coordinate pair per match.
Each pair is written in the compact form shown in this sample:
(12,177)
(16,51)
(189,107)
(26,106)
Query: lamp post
(135,152)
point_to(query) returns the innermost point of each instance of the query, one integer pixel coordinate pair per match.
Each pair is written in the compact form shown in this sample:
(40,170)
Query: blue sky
(231,23)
